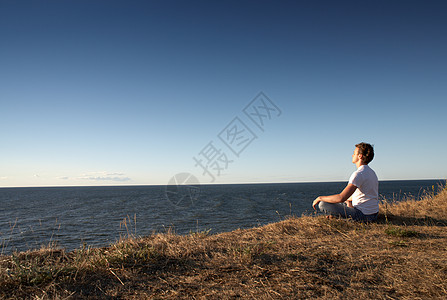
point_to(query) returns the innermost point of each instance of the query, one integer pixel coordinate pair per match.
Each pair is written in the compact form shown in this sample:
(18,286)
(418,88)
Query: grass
(402,256)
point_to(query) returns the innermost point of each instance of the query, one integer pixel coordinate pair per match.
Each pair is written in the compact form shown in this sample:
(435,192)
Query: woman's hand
(315,203)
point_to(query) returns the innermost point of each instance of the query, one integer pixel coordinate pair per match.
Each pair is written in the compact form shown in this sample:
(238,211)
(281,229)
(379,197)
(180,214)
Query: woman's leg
(341,210)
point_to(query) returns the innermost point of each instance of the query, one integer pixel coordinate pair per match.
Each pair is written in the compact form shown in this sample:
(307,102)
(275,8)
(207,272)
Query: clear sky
(130,92)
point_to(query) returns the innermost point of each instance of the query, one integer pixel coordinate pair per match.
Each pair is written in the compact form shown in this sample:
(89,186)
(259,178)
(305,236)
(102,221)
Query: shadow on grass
(401,220)
(148,277)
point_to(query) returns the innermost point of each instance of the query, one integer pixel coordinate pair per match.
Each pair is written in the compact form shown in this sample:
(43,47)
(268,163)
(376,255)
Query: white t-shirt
(366,196)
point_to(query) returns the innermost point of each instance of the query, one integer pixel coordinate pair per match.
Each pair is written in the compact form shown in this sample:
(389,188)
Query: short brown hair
(367,151)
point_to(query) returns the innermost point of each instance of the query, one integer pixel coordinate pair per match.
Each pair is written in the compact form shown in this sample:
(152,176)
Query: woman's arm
(337,198)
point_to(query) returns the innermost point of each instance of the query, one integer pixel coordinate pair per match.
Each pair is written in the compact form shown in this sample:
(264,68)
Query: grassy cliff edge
(402,256)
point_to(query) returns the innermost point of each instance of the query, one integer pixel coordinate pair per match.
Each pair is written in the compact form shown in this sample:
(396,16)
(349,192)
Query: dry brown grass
(403,256)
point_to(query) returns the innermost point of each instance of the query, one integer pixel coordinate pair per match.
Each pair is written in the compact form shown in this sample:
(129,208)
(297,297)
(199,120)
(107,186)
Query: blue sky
(129,92)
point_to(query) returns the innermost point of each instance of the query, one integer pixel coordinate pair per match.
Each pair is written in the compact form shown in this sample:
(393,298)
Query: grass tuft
(400,232)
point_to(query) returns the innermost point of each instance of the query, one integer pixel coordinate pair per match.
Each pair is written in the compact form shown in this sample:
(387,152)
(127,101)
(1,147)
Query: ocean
(71,217)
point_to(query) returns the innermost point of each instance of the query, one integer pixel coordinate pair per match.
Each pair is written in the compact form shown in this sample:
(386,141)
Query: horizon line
(210,184)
